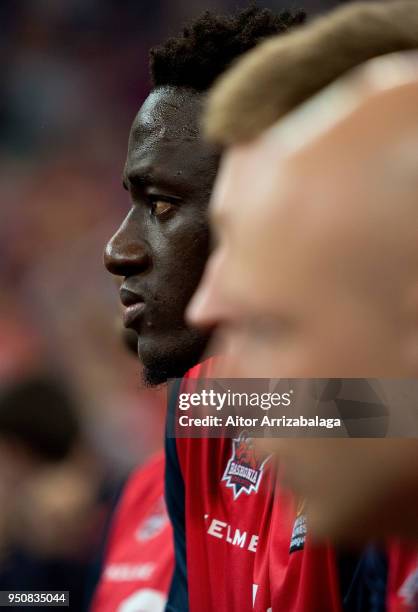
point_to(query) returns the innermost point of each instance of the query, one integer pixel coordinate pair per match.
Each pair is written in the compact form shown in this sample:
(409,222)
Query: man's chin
(130,340)
(160,363)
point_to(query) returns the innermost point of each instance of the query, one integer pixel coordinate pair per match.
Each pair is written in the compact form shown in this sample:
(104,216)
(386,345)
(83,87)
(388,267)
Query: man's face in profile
(162,245)
(314,264)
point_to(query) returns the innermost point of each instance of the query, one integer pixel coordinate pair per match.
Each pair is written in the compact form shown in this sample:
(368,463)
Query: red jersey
(402,590)
(246,542)
(139,560)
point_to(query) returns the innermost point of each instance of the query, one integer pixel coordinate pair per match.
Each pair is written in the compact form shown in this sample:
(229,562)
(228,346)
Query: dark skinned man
(162,245)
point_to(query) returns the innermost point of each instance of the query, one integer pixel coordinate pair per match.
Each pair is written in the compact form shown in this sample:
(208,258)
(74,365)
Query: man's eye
(162,209)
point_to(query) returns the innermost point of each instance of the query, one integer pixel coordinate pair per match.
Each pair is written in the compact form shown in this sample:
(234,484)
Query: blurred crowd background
(73,74)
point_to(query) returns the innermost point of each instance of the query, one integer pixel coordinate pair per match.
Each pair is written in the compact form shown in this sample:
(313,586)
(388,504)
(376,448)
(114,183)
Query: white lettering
(239,538)
(215,528)
(233,536)
(253,543)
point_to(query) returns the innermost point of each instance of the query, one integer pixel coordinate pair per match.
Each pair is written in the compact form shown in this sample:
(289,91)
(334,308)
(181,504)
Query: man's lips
(133,314)
(135,307)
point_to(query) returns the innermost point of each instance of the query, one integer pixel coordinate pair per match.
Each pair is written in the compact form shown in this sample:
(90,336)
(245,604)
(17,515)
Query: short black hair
(211,43)
(40,414)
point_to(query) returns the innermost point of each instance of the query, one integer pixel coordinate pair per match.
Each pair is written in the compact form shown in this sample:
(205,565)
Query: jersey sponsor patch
(127,572)
(244,469)
(231,535)
(297,541)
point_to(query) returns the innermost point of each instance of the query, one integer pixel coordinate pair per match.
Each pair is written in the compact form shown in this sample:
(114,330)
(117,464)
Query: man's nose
(125,254)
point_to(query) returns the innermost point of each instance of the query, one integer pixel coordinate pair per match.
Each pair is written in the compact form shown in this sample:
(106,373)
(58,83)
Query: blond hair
(286,70)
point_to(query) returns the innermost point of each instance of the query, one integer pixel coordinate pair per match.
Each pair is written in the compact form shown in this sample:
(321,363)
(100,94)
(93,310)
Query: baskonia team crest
(244,470)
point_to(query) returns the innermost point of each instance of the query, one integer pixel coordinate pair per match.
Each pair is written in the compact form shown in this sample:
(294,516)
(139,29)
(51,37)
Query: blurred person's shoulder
(146,481)
(139,558)
(402,591)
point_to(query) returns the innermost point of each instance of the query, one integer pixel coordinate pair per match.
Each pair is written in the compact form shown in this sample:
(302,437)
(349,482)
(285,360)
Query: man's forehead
(168,111)
(165,136)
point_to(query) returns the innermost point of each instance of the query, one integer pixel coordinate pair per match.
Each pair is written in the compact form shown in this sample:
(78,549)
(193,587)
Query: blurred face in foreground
(315,273)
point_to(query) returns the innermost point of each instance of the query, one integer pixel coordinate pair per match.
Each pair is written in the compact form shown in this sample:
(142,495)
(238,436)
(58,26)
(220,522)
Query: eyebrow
(145,177)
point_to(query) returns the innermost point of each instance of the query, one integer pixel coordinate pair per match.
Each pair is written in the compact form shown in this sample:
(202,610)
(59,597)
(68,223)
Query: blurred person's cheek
(241,354)
(231,346)
(208,306)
